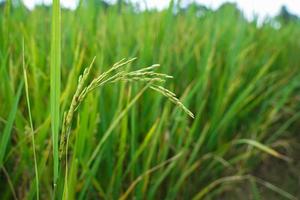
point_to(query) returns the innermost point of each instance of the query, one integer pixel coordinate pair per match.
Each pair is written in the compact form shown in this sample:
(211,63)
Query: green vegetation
(74,125)
(55,83)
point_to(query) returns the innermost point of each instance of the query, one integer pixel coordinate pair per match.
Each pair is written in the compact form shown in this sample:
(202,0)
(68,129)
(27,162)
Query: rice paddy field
(108,102)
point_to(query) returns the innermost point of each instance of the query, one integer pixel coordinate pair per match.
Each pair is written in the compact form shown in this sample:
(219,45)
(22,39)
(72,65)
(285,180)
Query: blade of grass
(263,147)
(114,124)
(55,84)
(31,124)
(230,179)
(94,161)
(141,148)
(9,125)
(147,173)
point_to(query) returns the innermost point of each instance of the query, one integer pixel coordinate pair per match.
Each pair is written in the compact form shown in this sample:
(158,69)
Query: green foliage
(125,140)
(55,83)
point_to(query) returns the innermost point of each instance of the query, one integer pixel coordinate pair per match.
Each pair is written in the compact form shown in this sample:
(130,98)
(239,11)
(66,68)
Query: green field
(86,112)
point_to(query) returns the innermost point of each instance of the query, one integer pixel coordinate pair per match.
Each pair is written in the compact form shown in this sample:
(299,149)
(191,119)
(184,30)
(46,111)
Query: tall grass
(55,84)
(6,134)
(31,124)
(121,135)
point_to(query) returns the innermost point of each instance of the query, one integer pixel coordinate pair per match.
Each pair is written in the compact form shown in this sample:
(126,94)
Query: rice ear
(144,75)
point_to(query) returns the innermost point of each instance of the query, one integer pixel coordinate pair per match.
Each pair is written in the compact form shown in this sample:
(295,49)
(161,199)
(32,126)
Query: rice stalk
(31,125)
(55,83)
(146,75)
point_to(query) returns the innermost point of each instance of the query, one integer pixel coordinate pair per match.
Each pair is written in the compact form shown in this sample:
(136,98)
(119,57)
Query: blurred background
(251,8)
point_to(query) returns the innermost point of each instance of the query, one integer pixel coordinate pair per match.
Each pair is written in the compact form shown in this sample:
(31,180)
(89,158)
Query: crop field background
(78,121)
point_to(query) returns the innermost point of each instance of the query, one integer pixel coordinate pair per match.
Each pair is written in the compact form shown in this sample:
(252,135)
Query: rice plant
(73,125)
(55,84)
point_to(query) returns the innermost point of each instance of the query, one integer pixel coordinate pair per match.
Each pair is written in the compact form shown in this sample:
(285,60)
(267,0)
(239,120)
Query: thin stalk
(31,125)
(55,83)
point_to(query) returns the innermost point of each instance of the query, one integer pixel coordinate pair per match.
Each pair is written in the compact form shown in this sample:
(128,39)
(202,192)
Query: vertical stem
(55,83)
(31,124)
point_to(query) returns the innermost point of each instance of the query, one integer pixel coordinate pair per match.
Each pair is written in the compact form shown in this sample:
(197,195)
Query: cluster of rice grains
(114,74)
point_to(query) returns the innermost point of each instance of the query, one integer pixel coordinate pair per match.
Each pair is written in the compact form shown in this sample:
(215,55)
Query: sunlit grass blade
(55,83)
(263,147)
